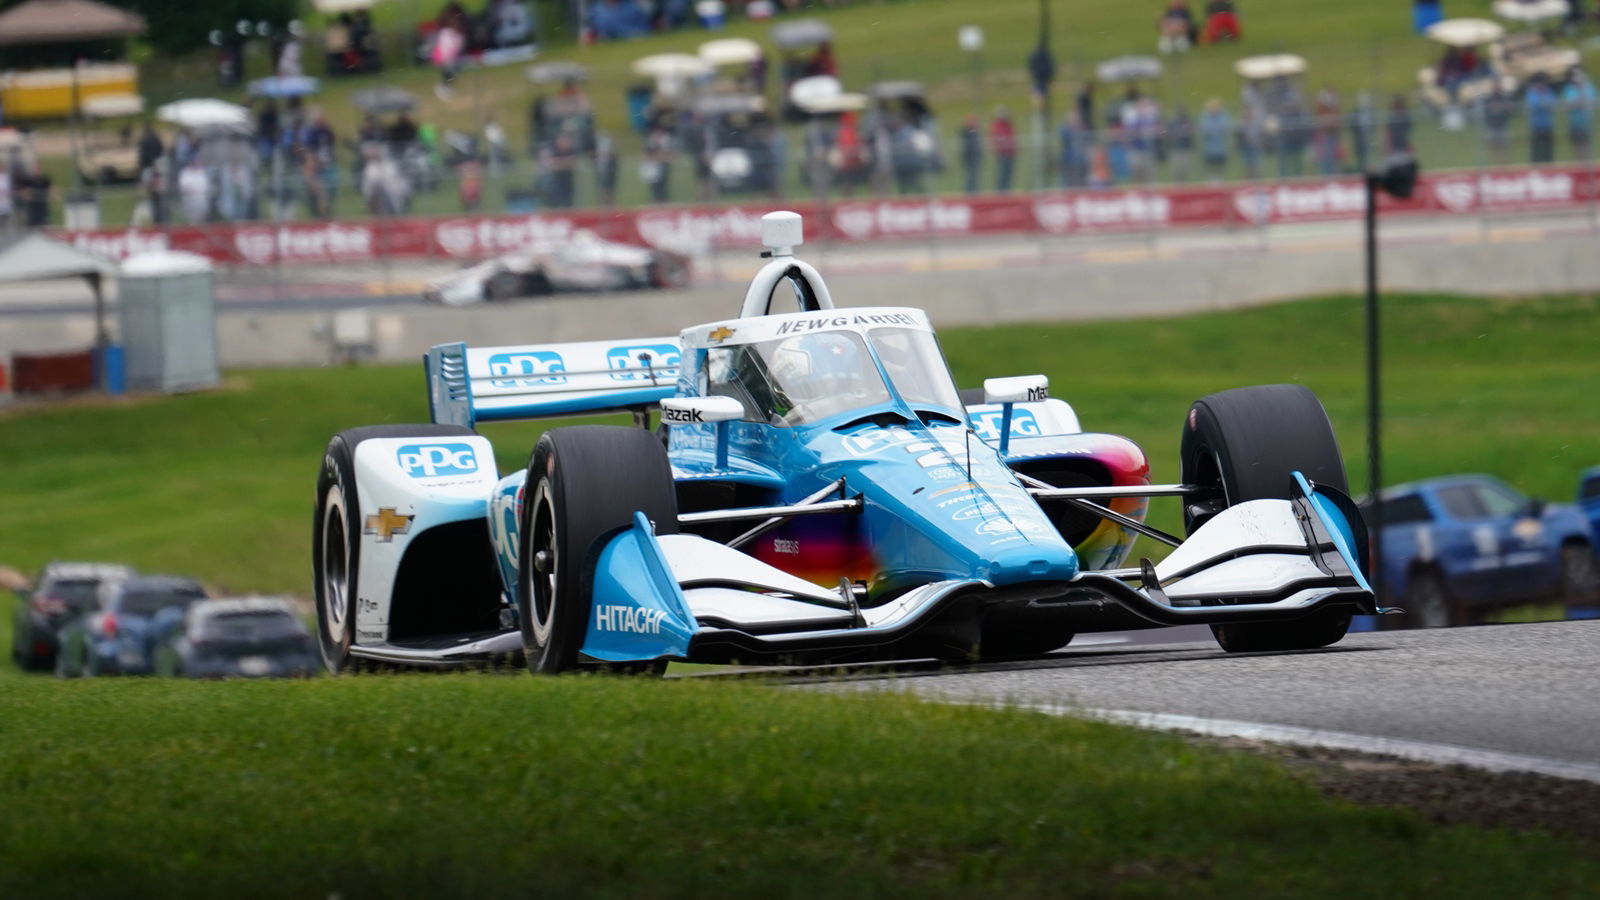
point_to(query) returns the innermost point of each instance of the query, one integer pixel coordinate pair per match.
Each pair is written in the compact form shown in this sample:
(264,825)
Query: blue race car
(1458,547)
(820,493)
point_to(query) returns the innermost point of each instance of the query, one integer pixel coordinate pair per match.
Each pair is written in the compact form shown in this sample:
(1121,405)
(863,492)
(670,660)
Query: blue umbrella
(283,86)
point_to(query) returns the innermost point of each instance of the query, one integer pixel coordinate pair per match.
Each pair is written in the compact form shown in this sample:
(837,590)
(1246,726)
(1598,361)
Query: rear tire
(336,536)
(1428,604)
(584,485)
(1246,443)
(1580,576)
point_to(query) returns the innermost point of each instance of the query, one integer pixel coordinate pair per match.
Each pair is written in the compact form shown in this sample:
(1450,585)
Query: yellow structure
(48,93)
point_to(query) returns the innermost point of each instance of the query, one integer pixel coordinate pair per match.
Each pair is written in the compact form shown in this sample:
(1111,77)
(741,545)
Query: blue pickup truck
(1460,546)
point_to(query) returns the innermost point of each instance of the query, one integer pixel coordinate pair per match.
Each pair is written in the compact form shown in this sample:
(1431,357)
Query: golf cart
(104,158)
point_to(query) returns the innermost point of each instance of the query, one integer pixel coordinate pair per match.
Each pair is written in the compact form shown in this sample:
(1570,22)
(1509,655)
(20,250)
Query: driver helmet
(829,364)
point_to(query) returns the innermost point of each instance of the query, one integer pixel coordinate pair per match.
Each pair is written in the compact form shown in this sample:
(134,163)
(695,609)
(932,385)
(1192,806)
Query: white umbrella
(1129,68)
(1465,32)
(798,33)
(817,88)
(1272,65)
(668,66)
(557,72)
(110,106)
(334,7)
(1530,10)
(730,52)
(835,103)
(205,113)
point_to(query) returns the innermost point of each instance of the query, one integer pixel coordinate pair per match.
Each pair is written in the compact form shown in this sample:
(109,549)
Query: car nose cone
(1030,562)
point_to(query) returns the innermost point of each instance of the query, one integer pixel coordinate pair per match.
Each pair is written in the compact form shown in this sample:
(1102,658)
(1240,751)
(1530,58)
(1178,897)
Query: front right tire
(584,485)
(1245,444)
(336,535)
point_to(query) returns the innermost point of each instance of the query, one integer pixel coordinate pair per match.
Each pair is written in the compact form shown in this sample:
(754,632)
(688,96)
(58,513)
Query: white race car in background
(584,262)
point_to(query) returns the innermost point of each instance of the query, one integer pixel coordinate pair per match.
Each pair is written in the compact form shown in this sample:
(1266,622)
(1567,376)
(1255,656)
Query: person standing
(1003,143)
(1216,128)
(971,154)
(656,168)
(1180,145)
(1498,108)
(1540,104)
(1398,126)
(605,170)
(1363,129)
(1074,152)
(1325,142)
(7,201)
(1578,99)
(194,185)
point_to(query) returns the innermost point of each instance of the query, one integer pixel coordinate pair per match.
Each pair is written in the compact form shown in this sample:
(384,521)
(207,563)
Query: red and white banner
(697,228)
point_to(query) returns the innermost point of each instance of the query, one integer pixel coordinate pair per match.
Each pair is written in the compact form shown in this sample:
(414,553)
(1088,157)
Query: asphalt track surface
(1501,691)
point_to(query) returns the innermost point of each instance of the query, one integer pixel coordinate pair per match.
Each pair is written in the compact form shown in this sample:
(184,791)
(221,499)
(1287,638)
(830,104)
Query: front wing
(684,597)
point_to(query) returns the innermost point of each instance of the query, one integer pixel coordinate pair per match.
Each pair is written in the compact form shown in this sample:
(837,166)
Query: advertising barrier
(694,229)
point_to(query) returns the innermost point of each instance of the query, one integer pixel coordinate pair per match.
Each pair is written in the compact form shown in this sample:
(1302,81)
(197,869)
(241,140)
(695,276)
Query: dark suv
(63,591)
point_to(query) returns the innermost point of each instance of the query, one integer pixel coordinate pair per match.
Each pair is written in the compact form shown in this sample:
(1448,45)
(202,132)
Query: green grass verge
(220,484)
(489,786)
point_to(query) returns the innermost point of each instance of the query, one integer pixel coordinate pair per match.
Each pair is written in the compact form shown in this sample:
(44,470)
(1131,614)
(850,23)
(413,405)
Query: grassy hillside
(1353,46)
(220,484)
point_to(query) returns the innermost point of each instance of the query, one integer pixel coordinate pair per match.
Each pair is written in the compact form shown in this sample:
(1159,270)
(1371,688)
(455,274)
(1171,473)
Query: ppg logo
(434,460)
(537,363)
(658,360)
(1023,424)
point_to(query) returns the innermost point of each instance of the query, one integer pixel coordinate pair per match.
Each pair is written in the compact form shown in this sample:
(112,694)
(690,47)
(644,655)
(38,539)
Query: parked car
(118,635)
(61,591)
(239,638)
(1458,547)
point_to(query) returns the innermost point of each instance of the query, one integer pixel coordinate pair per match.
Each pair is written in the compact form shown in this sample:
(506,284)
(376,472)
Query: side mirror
(1017,389)
(700,410)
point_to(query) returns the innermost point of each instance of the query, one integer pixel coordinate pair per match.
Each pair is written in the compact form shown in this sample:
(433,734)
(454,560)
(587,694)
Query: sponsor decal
(483,237)
(435,460)
(366,635)
(655,360)
(720,333)
(1532,187)
(304,243)
(1059,215)
(1332,198)
(1023,424)
(628,619)
(528,368)
(386,524)
(690,230)
(800,326)
(780,545)
(892,219)
(1009,526)
(677,415)
(367,604)
(120,245)
(945,473)
(975,511)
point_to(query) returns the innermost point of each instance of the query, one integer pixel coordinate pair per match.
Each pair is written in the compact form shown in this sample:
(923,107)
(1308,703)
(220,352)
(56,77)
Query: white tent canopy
(670,65)
(1530,10)
(34,257)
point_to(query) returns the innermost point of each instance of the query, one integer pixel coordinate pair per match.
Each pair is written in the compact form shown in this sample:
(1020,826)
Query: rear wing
(496,384)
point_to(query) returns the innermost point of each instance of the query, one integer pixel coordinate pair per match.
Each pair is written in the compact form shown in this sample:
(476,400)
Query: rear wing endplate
(468,385)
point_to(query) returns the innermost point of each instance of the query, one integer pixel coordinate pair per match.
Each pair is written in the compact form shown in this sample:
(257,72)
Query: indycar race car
(817,492)
(579,262)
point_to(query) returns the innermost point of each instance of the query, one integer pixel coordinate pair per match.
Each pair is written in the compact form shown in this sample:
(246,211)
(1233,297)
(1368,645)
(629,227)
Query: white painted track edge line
(1420,751)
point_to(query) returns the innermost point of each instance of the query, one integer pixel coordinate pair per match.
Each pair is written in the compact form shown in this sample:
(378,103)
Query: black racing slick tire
(584,485)
(1245,443)
(336,535)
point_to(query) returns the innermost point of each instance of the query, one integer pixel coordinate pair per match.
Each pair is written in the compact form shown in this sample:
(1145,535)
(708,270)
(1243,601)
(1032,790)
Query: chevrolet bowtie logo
(387,523)
(720,334)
